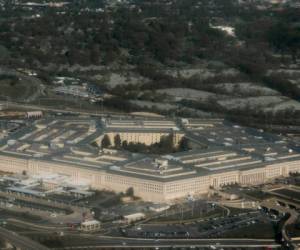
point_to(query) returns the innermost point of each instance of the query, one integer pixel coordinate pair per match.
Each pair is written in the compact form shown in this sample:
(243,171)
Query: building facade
(147,189)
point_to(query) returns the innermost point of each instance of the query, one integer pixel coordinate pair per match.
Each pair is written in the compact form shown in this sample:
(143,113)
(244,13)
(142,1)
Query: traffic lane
(20,241)
(181,243)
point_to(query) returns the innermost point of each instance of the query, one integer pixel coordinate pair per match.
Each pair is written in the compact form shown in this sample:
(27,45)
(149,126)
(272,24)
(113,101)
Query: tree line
(164,146)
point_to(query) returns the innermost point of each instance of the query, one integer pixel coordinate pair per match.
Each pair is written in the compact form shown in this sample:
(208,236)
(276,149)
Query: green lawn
(258,194)
(234,210)
(259,230)
(5,213)
(17,89)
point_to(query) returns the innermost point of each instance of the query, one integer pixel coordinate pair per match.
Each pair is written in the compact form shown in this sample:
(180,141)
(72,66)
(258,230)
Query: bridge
(20,242)
(284,208)
(114,243)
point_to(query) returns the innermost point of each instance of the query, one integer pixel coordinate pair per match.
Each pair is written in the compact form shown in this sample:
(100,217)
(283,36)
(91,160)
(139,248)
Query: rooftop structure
(141,131)
(140,124)
(134,217)
(232,154)
(90,226)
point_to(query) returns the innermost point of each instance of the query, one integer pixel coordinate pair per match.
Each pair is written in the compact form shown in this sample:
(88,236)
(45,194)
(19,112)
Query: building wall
(222,179)
(142,137)
(182,188)
(253,176)
(12,164)
(149,190)
(35,166)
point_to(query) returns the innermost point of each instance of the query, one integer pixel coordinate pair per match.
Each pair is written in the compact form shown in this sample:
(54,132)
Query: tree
(117,141)
(105,143)
(130,191)
(124,144)
(167,142)
(184,144)
(285,37)
(94,144)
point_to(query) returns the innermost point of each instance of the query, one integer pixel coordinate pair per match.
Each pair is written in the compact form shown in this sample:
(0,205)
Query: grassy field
(288,193)
(16,91)
(25,216)
(258,194)
(234,210)
(18,87)
(260,230)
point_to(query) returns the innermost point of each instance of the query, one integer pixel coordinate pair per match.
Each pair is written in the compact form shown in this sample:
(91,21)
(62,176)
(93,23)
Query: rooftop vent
(11,142)
(269,159)
(185,121)
(114,168)
(161,164)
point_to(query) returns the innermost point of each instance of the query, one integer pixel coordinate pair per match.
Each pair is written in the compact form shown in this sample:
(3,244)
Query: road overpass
(273,204)
(170,245)
(20,242)
(110,242)
(73,111)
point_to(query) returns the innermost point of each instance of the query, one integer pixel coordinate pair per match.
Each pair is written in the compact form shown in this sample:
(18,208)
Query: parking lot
(190,211)
(237,225)
(218,226)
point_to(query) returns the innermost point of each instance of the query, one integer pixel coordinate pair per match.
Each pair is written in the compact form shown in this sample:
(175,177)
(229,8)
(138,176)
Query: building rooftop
(68,140)
(139,124)
(154,169)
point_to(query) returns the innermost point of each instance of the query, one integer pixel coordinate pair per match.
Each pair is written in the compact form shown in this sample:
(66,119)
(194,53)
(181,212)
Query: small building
(34,114)
(134,217)
(90,226)
(78,193)
(127,199)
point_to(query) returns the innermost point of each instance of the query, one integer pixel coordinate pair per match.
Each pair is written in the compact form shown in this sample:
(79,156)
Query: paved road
(182,243)
(272,204)
(36,226)
(20,241)
(92,241)
(58,110)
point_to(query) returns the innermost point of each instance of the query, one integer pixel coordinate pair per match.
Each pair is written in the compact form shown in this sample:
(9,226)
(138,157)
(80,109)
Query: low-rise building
(90,226)
(133,217)
(63,146)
